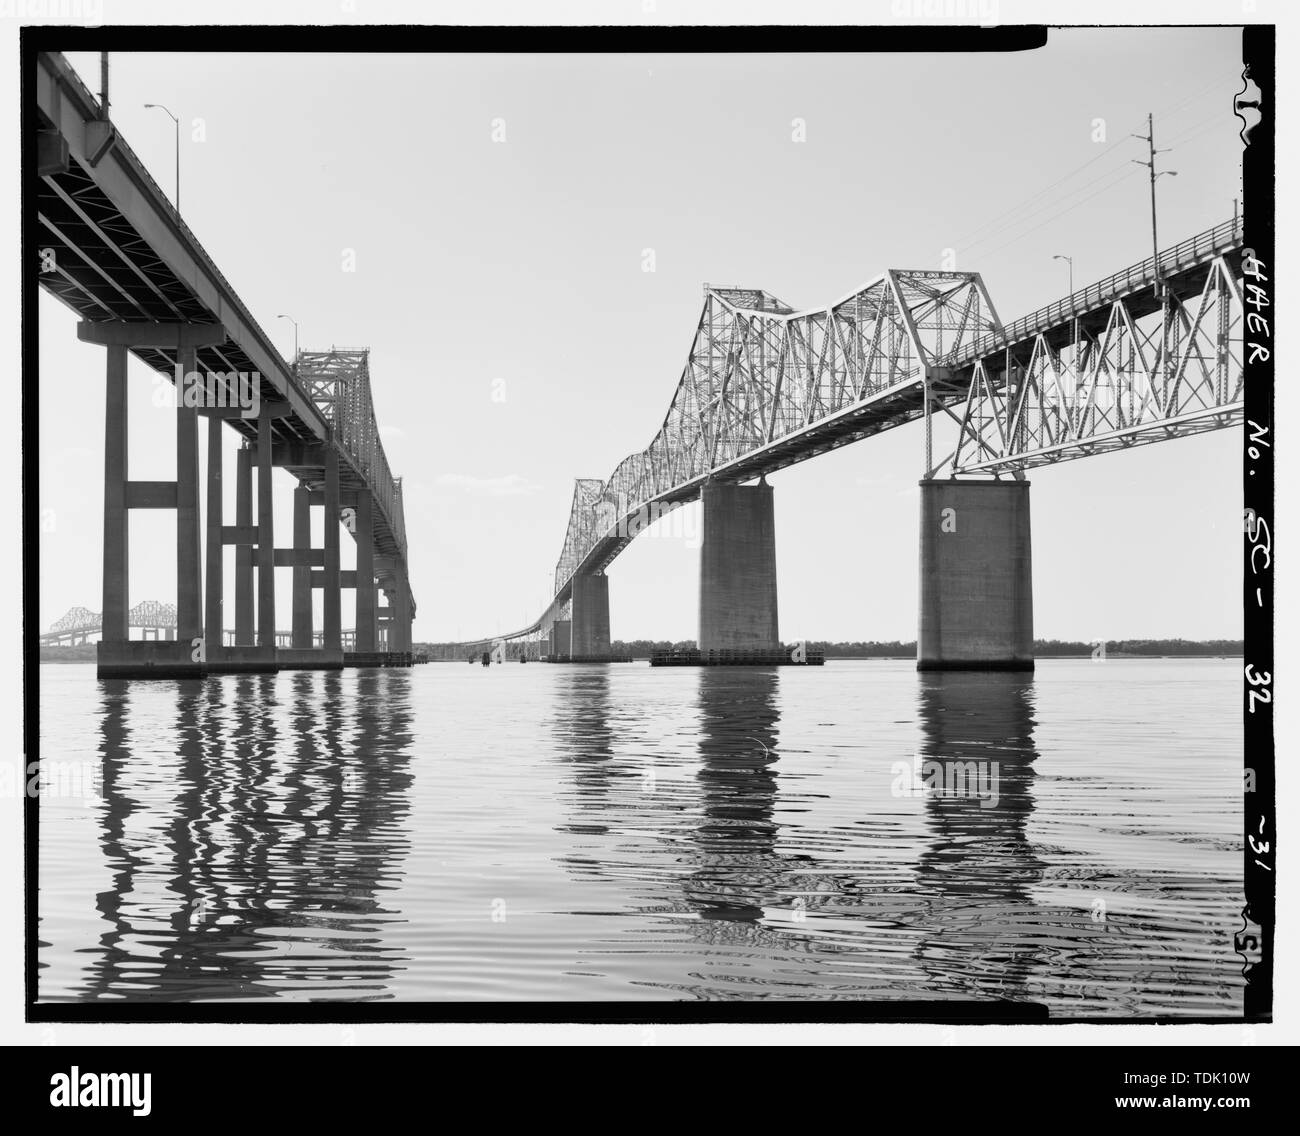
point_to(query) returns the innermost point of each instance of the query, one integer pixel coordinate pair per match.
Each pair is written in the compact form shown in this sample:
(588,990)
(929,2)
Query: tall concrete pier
(561,639)
(118,655)
(738,569)
(590,612)
(977,609)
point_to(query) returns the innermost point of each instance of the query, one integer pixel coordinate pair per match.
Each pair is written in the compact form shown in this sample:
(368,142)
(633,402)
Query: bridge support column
(117,562)
(976,610)
(366,601)
(302,572)
(118,656)
(738,609)
(561,641)
(399,629)
(215,582)
(590,611)
(244,552)
(331,599)
(265,536)
(189,566)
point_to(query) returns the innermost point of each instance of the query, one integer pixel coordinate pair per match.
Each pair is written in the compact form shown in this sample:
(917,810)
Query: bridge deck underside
(105,270)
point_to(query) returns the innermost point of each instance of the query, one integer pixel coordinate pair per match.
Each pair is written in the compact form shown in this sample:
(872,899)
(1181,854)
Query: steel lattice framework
(76,619)
(82,621)
(765,386)
(1150,353)
(152,613)
(1131,373)
(338,382)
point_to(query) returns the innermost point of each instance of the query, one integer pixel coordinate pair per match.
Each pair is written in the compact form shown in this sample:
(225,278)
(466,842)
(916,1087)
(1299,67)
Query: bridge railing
(1207,243)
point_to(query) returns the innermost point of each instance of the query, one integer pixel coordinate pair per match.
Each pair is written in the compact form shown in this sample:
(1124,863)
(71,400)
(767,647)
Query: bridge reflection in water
(915,919)
(867,834)
(982,925)
(255,863)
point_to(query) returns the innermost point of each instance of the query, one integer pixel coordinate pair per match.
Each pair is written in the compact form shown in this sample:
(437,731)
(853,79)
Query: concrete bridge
(114,250)
(1149,354)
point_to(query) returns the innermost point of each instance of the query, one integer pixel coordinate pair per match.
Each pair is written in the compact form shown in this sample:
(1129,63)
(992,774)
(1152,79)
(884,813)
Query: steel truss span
(1150,353)
(1125,369)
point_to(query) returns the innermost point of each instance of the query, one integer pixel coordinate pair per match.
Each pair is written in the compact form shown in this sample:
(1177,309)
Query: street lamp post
(1070,261)
(295,340)
(177,121)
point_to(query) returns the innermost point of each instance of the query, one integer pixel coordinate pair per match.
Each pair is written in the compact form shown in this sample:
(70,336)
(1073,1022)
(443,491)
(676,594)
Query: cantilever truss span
(765,386)
(1150,353)
(338,382)
(1110,371)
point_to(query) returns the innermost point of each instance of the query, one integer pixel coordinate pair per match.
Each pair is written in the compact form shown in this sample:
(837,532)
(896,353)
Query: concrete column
(977,608)
(561,637)
(189,538)
(332,617)
(738,569)
(365,534)
(590,610)
(265,537)
(399,630)
(215,548)
(116,580)
(302,572)
(244,552)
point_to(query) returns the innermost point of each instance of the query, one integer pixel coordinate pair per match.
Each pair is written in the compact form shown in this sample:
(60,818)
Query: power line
(1022,216)
(1016,211)
(1124,176)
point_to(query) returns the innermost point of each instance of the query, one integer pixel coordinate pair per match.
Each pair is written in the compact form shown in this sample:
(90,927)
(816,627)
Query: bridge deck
(121,252)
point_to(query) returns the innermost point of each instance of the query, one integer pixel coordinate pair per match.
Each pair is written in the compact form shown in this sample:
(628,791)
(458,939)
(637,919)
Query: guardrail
(1208,243)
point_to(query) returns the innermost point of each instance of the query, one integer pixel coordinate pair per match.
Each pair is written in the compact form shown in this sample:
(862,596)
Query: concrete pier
(367,601)
(117,655)
(116,581)
(738,609)
(590,611)
(244,550)
(189,538)
(561,640)
(302,630)
(976,609)
(214,580)
(331,614)
(265,535)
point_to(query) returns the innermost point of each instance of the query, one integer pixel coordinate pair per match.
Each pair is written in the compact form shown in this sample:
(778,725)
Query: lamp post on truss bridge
(1070,262)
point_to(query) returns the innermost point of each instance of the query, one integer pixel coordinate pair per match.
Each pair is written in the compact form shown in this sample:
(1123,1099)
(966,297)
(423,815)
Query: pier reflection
(251,825)
(975,768)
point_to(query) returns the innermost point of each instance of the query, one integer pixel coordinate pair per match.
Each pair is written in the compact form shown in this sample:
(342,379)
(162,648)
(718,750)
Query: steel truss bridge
(114,250)
(1150,353)
(77,624)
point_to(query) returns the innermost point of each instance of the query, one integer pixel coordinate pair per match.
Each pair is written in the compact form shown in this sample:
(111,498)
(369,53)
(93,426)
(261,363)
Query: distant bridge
(158,621)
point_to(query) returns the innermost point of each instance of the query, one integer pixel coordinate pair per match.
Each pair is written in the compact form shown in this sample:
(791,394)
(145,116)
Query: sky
(499,211)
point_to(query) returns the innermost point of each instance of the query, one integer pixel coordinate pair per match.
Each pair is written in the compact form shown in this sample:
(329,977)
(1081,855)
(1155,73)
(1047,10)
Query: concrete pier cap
(976,576)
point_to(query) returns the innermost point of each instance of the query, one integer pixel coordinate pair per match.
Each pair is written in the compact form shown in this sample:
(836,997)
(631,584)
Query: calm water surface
(857,831)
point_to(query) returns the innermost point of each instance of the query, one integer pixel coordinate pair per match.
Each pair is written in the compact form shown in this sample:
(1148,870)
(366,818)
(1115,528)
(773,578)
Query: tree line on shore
(892,648)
